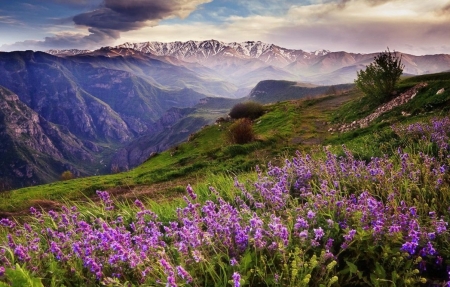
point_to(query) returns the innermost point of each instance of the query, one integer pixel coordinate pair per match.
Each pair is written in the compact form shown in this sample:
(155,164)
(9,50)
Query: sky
(411,26)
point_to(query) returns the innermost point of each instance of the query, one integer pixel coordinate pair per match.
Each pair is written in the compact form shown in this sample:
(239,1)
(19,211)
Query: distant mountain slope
(33,150)
(232,58)
(273,91)
(89,105)
(240,64)
(173,128)
(92,102)
(178,124)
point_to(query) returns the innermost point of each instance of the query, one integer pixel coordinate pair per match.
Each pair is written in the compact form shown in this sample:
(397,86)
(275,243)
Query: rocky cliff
(32,149)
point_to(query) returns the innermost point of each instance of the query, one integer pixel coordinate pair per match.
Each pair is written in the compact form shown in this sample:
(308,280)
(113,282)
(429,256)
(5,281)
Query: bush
(249,110)
(67,175)
(379,78)
(241,131)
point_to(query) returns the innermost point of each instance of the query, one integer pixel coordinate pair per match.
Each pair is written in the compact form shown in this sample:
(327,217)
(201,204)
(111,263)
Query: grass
(283,129)
(384,190)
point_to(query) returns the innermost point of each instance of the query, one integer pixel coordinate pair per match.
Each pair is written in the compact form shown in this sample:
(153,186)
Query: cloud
(8,20)
(106,22)
(66,40)
(410,26)
(129,15)
(73,3)
(444,10)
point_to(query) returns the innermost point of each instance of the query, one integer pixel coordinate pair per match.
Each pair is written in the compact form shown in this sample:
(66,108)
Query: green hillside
(284,128)
(366,207)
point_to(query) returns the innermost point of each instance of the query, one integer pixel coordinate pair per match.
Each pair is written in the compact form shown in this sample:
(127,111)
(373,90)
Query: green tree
(379,78)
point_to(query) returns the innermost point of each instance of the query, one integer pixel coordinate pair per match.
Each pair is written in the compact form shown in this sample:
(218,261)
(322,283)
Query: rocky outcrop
(32,149)
(397,101)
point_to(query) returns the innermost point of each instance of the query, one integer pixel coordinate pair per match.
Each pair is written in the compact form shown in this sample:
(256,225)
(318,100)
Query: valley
(119,105)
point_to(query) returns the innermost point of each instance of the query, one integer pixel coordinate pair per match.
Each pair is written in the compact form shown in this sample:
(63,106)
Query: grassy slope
(377,139)
(285,128)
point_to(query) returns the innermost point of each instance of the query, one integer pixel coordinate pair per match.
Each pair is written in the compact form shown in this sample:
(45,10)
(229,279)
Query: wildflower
(7,223)
(311,214)
(191,193)
(350,235)
(409,247)
(236,279)
(318,233)
(233,261)
(139,204)
(184,274)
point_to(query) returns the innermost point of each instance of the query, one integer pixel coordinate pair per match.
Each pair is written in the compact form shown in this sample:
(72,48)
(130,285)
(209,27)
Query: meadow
(365,208)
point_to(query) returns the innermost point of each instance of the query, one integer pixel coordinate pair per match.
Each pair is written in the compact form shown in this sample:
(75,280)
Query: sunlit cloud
(412,26)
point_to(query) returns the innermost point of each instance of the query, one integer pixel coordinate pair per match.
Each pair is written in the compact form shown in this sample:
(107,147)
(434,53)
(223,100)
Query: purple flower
(311,214)
(7,223)
(139,204)
(184,274)
(409,247)
(318,233)
(191,193)
(233,261)
(350,235)
(236,279)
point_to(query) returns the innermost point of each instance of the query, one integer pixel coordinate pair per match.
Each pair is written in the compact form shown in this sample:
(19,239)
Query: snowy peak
(67,52)
(204,51)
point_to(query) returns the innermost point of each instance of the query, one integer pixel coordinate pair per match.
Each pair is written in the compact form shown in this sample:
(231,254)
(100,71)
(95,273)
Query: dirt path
(313,123)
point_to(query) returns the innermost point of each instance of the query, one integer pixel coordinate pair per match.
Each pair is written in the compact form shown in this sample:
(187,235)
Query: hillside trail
(158,192)
(313,122)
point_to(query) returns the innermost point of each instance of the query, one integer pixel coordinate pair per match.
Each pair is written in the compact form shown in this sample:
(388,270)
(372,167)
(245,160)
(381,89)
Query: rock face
(67,113)
(400,100)
(168,131)
(32,149)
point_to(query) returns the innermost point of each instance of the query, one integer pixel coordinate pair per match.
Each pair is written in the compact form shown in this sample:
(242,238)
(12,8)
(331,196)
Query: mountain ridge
(234,59)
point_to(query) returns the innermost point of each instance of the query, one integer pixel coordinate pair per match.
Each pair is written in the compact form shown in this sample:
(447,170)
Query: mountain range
(237,62)
(86,111)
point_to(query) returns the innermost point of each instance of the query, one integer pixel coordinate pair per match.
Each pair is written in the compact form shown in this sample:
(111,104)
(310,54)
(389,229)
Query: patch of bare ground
(313,120)
(158,192)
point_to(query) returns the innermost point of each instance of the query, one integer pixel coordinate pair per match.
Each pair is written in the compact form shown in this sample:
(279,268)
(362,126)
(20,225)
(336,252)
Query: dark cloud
(109,19)
(73,3)
(129,15)
(342,3)
(115,16)
(445,10)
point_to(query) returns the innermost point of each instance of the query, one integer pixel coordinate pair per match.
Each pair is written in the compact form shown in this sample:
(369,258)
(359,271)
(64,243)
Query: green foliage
(67,175)
(251,110)
(241,131)
(379,78)
(19,277)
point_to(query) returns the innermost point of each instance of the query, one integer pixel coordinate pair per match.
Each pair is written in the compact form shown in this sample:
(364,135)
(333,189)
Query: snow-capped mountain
(205,51)
(67,52)
(245,64)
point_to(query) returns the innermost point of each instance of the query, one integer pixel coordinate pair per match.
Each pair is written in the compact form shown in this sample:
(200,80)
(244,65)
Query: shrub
(67,175)
(249,110)
(241,131)
(379,78)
